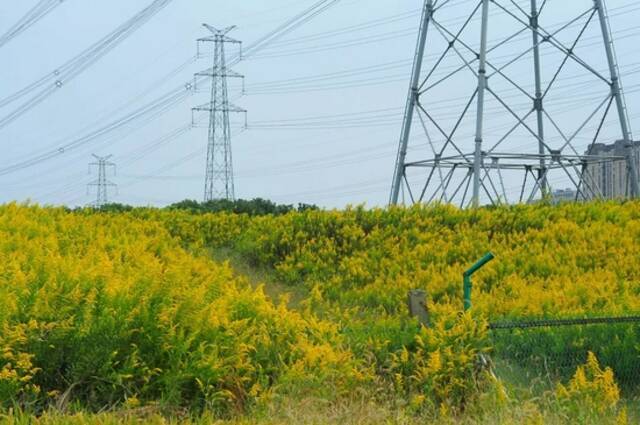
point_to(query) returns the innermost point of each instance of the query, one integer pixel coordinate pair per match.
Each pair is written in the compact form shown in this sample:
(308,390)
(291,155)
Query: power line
(164,102)
(141,115)
(385,116)
(293,167)
(129,158)
(273,52)
(52,82)
(319,82)
(289,26)
(375,23)
(327,121)
(33,16)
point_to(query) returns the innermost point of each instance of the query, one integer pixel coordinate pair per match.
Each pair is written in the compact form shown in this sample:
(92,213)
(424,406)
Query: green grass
(357,411)
(257,276)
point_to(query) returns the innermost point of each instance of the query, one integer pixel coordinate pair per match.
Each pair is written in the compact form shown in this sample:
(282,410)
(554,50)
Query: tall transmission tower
(101,184)
(219,180)
(510,97)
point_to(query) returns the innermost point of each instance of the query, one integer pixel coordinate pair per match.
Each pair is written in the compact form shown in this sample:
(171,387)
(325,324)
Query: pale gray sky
(325,103)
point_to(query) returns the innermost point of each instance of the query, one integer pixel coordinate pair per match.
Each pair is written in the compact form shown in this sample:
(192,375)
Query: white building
(609,178)
(563,195)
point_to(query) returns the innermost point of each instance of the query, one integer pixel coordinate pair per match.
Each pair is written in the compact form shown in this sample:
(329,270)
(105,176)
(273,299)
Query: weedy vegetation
(185,316)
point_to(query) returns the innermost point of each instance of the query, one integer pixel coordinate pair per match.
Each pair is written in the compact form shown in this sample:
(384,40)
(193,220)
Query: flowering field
(129,311)
(110,310)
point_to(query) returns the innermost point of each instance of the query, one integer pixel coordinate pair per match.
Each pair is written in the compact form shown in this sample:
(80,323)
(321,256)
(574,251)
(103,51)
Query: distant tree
(307,207)
(115,208)
(108,208)
(254,207)
(187,204)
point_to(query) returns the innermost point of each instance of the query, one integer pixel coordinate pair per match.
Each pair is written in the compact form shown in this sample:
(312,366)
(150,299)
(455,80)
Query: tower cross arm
(211,72)
(223,38)
(233,108)
(100,183)
(222,31)
(102,158)
(222,108)
(219,34)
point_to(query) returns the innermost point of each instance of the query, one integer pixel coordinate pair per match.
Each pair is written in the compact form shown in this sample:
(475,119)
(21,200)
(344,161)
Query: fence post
(417,303)
(466,278)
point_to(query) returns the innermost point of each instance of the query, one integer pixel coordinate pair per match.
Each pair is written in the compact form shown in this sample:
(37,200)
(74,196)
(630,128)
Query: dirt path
(257,276)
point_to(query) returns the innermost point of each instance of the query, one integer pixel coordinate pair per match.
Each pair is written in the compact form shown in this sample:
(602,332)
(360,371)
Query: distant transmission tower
(219,181)
(101,184)
(511,97)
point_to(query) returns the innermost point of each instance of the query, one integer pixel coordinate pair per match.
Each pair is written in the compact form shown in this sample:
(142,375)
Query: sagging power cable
(163,103)
(35,14)
(53,81)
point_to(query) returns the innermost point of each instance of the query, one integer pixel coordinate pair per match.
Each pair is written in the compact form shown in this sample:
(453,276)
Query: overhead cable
(54,81)
(164,102)
(35,14)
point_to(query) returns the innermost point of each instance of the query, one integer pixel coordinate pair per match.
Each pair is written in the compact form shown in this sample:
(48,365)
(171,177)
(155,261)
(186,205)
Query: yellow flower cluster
(106,310)
(552,261)
(124,309)
(591,391)
(566,261)
(443,363)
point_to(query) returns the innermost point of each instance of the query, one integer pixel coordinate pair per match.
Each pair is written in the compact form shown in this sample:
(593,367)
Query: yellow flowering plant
(591,392)
(126,309)
(573,260)
(103,309)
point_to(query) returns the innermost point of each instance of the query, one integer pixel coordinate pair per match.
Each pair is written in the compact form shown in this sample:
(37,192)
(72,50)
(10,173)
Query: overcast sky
(329,140)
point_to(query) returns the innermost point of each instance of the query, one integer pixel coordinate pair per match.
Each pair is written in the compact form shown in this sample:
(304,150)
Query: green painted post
(467,291)
(466,278)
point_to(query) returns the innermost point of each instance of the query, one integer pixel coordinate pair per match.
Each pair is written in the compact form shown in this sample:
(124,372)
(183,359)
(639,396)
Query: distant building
(609,178)
(563,195)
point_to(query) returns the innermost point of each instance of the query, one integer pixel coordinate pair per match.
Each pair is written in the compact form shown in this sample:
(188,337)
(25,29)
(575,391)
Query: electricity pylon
(101,184)
(505,91)
(219,181)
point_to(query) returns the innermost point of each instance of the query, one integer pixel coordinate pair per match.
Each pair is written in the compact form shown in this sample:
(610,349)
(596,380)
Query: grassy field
(157,316)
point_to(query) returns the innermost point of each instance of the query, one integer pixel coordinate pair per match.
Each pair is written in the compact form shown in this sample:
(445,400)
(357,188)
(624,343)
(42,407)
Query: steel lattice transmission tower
(510,97)
(101,184)
(219,180)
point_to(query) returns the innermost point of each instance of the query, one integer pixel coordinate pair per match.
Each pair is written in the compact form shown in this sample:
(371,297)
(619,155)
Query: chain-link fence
(543,352)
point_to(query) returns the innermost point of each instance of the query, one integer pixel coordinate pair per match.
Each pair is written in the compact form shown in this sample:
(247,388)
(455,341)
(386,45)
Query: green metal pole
(467,292)
(466,278)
